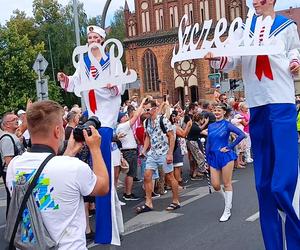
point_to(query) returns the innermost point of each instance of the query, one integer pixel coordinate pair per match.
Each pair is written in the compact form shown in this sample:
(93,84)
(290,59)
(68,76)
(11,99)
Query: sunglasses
(148,110)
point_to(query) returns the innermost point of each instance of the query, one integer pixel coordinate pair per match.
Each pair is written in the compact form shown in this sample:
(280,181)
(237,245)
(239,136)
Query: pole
(103,17)
(75,9)
(77,35)
(52,65)
(206,165)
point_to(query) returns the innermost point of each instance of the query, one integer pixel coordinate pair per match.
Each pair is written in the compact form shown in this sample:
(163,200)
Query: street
(194,226)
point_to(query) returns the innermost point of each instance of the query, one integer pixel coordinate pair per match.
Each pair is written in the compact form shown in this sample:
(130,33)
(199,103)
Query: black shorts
(130,155)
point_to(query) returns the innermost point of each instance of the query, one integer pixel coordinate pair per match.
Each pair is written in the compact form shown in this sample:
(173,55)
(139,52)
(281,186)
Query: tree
(25,25)
(17,81)
(117,28)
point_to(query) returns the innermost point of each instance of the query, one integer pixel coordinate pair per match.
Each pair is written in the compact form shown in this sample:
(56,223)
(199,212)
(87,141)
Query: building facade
(152,32)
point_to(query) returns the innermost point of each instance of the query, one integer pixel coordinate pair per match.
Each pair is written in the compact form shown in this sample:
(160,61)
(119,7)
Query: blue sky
(95,7)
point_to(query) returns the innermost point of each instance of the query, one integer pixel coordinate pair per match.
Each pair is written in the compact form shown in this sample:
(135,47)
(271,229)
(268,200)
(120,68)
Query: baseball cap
(121,115)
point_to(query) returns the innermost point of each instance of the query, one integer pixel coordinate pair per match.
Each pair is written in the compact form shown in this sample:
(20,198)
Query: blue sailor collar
(279,24)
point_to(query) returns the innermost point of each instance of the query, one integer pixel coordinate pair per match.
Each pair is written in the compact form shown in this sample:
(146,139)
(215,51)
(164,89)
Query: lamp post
(103,17)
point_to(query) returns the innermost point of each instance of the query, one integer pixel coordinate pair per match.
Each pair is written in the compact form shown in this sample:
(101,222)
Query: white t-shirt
(128,141)
(61,187)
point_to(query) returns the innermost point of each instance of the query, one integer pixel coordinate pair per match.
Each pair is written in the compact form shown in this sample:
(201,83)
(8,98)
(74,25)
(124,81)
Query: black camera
(78,130)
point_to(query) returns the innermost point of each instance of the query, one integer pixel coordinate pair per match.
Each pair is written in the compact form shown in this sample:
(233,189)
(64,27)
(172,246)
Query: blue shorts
(153,162)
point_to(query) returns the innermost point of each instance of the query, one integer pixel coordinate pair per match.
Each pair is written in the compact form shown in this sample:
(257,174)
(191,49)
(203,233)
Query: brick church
(152,32)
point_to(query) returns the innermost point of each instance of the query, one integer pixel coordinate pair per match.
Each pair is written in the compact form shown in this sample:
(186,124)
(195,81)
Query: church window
(150,72)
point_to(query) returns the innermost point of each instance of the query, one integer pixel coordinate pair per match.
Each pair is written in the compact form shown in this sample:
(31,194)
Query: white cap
(21,112)
(96,29)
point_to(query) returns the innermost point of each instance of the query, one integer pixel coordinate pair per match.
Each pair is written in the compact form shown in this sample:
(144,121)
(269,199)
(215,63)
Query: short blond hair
(42,115)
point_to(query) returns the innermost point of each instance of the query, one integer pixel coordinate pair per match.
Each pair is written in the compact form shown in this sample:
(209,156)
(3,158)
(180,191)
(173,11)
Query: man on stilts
(105,104)
(269,89)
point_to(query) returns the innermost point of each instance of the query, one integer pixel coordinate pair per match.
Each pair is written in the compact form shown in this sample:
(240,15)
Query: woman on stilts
(220,155)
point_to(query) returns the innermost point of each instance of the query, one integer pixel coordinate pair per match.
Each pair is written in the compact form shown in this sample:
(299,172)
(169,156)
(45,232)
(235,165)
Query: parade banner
(115,76)
(242,39)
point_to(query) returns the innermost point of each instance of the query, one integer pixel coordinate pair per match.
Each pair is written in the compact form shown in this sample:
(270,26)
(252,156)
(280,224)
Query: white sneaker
(250,160)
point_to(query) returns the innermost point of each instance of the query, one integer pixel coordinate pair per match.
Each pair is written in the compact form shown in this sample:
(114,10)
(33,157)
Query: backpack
(23,209)
(163,128)
(161,124)
(16,152)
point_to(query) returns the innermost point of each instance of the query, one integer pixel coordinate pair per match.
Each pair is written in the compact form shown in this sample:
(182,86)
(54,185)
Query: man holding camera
(64,180)
(104,103)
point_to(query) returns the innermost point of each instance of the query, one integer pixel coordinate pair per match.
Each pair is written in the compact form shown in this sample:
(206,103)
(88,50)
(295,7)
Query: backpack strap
(16,151)
(162,125)
(26,197)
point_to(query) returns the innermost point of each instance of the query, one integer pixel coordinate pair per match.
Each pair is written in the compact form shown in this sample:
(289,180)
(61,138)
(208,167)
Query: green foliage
(17,82)
(118,25)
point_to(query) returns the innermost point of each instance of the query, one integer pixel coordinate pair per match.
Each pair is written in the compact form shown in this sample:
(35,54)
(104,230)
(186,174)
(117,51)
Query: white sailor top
(274,84)
(105,102)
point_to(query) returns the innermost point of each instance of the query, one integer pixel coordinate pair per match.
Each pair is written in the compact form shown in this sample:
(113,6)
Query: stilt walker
(103,102)
(269,89)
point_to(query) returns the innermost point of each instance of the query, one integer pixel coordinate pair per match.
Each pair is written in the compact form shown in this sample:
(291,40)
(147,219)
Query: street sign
(40,65)
(42,89)
(214,76)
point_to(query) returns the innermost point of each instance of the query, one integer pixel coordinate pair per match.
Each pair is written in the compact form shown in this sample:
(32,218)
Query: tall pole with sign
(40,65)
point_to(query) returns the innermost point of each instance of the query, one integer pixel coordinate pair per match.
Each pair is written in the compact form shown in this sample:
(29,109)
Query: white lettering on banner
(240,40)
(114,75)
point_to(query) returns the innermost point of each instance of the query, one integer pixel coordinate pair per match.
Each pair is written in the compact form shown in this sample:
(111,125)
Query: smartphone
(165,98)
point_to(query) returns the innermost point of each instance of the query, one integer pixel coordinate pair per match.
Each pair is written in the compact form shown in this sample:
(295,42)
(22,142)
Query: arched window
(145,17)
(191,13)
(234,10)
(220,9)
(204,10)
(150,72)
(159,18)
(173,17)
(131,28)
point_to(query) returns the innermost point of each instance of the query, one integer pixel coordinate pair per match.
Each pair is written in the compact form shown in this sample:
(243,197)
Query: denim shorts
(154,161)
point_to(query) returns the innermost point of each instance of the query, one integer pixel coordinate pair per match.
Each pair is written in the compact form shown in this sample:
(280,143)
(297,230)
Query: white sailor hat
(96,29)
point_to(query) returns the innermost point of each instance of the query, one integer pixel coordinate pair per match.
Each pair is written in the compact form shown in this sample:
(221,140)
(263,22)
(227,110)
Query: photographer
(64,180)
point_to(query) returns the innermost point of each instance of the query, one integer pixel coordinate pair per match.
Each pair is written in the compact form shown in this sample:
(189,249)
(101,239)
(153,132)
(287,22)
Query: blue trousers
(104,220)
(273,135)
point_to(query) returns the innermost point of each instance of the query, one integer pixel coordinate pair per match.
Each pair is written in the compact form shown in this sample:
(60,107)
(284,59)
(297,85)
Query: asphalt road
(195,226)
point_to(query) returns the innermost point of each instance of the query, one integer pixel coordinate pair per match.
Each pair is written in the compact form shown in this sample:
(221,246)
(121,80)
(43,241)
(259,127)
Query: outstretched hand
(61,76)
(295,68)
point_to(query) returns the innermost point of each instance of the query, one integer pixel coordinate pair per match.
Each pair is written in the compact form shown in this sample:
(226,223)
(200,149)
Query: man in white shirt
(269,89)
(129,147)
(64,180)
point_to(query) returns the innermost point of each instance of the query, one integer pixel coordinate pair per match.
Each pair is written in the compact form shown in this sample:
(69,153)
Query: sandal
(173,206)
(143,209)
